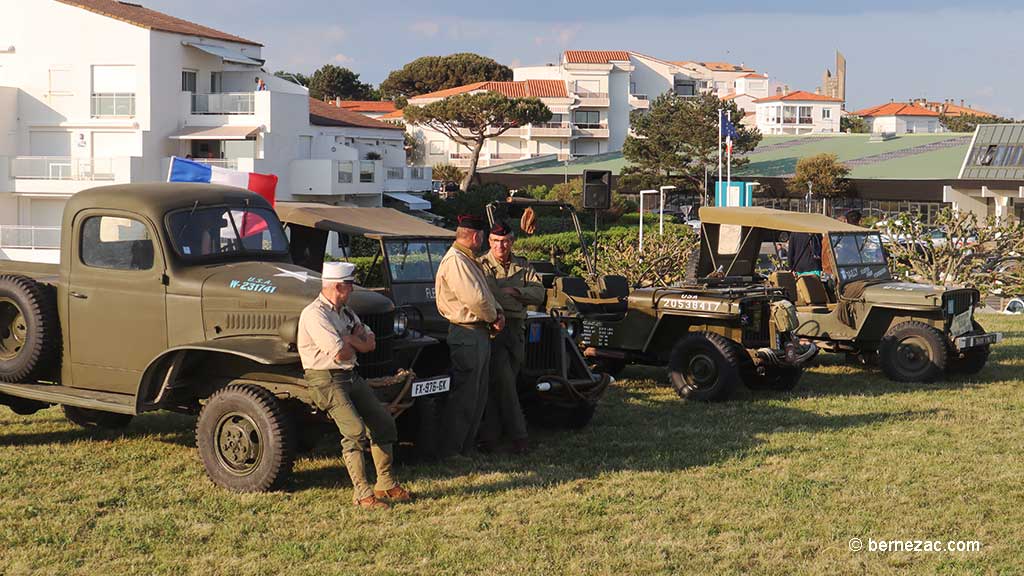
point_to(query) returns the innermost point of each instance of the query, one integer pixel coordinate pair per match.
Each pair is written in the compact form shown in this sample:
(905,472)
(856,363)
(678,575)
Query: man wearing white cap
(330,336)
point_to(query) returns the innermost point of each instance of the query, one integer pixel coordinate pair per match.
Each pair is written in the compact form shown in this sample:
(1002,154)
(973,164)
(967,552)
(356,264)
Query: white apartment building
(798,112)
(95,92)
(718,78)
(552,137)
(901,118)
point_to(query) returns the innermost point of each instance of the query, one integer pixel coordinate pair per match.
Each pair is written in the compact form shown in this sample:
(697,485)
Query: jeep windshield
(205,232)
(859,256)
(415,260)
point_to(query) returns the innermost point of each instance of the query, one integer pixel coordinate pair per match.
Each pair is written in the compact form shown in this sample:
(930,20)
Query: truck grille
(757,333)
(379,362)
(542,341)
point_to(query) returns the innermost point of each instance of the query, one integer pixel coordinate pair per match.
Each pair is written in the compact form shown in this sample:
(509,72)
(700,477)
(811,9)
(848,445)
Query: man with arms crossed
(330,336)
(465,300)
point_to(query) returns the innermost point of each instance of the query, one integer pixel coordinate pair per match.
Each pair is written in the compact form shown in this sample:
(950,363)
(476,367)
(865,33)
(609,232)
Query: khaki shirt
(321,329)
(519,275)
(462,294)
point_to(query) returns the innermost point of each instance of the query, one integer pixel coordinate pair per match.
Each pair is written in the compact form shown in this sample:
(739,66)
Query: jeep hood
(904,293)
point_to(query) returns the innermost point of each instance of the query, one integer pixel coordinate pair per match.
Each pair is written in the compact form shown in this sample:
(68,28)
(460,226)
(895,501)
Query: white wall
(819,125)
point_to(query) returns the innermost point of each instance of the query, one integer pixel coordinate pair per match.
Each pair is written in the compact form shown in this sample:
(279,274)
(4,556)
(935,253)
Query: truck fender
(162,370)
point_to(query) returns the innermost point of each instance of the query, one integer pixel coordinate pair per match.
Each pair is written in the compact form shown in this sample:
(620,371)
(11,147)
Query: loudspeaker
(597,189)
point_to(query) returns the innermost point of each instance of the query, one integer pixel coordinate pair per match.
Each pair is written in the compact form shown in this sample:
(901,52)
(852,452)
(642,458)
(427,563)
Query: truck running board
(56,394)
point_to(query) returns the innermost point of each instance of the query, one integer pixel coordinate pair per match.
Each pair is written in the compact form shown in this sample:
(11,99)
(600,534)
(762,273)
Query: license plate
(979,340)
(432,386)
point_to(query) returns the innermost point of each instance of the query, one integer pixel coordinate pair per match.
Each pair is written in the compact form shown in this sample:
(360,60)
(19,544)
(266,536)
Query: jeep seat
(547,272)
(614,286)
(785,280)
(578,291)
(811,295)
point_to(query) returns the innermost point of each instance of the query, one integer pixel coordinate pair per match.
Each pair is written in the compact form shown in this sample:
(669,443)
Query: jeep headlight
(401,323)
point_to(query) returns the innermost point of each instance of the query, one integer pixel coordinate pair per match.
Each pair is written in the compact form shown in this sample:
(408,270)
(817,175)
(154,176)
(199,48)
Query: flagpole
(718,183)
(728,178)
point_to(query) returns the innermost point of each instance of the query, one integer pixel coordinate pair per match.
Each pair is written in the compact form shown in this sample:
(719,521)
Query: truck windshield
(859,256)
(415,260)
(224,230)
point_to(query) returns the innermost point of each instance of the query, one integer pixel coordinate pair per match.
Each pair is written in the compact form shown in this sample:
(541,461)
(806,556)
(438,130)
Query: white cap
(339,272)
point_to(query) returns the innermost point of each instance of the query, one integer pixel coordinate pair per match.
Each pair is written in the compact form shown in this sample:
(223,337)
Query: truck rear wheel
(913,352)
(29,330)
(93,419)
(245,439)
(972,360)
(706,366)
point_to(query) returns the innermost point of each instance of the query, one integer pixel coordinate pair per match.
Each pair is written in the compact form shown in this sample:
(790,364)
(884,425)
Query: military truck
(182,297)
(714,334)
(917,332)
(556,385)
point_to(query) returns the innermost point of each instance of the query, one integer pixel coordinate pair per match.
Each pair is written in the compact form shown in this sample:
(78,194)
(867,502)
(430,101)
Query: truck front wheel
(913,352)
(706,366)
(245,439)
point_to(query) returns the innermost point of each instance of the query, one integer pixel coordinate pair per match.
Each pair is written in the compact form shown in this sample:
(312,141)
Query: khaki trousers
(364,424)
(465,402)
(504,416)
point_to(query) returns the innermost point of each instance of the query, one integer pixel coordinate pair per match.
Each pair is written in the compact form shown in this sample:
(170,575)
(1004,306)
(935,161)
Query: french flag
(185,170)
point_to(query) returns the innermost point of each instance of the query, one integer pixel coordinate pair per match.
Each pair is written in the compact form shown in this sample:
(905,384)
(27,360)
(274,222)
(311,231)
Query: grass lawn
(766,483)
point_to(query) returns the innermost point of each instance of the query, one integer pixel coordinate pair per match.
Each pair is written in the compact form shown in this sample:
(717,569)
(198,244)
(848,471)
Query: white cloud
(342,59)
(425,28)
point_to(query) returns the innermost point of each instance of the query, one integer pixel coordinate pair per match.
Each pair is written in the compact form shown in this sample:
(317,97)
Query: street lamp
(661,213)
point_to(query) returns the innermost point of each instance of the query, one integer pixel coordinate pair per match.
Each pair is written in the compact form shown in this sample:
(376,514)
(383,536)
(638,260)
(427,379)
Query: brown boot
(371,503)
(395,494)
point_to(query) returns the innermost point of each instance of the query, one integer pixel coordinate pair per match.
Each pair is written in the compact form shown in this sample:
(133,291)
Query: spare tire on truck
(30,342)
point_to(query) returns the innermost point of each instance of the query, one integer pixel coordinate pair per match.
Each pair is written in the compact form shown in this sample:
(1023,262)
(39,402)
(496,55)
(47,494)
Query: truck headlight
(401,323)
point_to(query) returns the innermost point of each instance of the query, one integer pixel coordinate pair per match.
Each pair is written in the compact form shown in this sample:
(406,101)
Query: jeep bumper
(975,340)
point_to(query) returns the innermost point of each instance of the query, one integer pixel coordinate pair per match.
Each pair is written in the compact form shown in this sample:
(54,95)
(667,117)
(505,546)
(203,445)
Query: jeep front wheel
(972,360)
(245,439)
(913,352)
(705,366)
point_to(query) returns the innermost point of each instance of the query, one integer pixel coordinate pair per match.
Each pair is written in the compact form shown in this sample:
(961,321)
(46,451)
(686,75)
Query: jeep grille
(757,333)
(543,352)
(379,362)
(957,302)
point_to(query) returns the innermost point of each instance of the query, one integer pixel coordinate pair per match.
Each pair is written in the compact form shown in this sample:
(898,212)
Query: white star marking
(304,276)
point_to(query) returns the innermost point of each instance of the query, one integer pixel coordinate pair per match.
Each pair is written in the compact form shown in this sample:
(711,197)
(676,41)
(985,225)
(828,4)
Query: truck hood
(255,298)
(905,293)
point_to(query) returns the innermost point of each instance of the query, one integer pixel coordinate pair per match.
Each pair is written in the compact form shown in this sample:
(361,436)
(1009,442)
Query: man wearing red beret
(466,301)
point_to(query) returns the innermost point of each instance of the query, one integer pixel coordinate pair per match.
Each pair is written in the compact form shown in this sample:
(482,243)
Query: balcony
(30,243)
(226,163)
(551,130)
(639,101)
(590,130)
(326,177)
(407,178)
(462,159)
(113,105)
(595,99)
(224,103)
(63,175)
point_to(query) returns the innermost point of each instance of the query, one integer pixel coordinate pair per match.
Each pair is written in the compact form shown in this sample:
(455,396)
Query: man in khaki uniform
(330,336)
(465,300)
(515,285)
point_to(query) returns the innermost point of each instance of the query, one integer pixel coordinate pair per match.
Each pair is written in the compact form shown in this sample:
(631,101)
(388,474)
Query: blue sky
(919,48)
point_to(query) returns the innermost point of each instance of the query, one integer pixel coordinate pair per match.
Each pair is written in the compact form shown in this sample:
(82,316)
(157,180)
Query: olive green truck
(184,297)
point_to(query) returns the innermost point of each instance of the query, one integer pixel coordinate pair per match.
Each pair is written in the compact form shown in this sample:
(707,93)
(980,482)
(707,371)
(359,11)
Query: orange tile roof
(950,109)
(152,20)
(725,67)
(799,96)
(595,56)
(369,105)
(896,109)
(396,115)
(754,75)
(329,114)
(515,89)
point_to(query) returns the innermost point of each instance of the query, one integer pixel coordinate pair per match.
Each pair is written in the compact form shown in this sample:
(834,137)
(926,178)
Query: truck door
(116,310)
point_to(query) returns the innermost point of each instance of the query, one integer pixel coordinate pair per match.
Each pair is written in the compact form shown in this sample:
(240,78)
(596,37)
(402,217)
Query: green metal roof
(907,157)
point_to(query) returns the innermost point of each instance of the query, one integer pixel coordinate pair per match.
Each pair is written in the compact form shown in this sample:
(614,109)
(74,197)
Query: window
(188,81)
(805,115)
(345,172)
(587,118)
(216,82)
(113,91)
(789,114)
(226,230)
(632,87)
(436,147)
(60,81)
(588,86)
(985,158)
(116,243)
(366,171)
(826,113)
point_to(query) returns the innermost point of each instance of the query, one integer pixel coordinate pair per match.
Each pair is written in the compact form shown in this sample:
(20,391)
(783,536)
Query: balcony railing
(228,163)
(30,237)
(224,103)
(506,156)
(592,126)
(593,95)
(396,174)
(62,168)
(113,105)
(639,96)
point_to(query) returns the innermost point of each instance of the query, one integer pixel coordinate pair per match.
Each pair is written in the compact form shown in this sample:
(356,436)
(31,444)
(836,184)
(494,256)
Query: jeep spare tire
(29,330)
(705,366)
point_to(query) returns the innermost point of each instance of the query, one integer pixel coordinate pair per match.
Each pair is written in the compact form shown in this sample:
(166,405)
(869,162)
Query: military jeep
(917,332)
(714,334)
(556,385)
(182,297)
